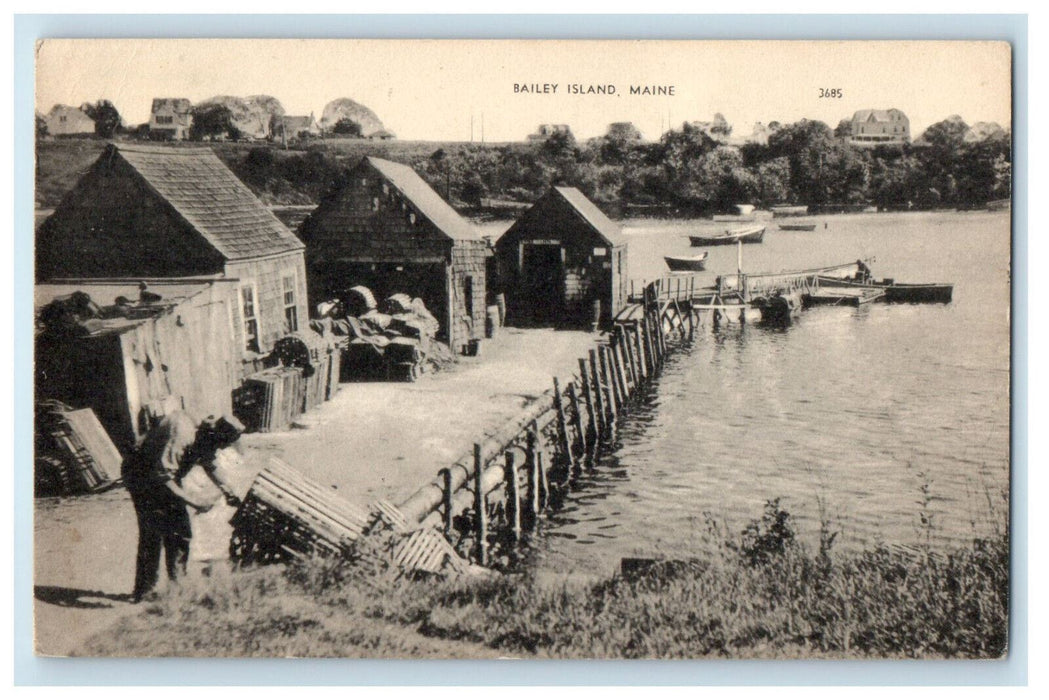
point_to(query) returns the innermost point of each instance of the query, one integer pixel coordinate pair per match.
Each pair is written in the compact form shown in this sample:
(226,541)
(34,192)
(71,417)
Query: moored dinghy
(686,263)
(747,234)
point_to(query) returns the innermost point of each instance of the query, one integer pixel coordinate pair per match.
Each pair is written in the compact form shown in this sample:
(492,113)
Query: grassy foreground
(759,595)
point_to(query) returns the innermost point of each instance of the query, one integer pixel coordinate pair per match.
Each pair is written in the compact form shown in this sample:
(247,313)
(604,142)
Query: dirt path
(374,440)
(385,440)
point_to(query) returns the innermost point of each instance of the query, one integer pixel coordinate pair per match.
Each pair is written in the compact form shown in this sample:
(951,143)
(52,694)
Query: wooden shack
(563,263)
(386,229)
(173,212)
(164,347)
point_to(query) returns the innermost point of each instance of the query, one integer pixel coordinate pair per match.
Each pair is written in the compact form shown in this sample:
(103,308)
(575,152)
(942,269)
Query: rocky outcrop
(345,108)
(252,115)
(983,131)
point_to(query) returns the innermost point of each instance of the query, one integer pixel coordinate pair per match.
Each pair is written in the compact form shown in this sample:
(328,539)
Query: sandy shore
(372,440)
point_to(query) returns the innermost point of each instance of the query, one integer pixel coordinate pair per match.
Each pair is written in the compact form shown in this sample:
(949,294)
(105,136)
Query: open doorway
(542,284)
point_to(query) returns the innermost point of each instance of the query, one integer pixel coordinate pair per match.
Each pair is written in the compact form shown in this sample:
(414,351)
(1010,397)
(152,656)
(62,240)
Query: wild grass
(759,594)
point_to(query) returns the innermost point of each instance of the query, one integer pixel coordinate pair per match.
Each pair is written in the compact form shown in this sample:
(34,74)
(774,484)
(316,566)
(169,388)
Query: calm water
(862,415)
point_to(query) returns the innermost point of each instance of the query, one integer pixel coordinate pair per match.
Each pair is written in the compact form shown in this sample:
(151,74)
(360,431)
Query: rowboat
(797,227)
(898,292)
(749,234)
(686,263)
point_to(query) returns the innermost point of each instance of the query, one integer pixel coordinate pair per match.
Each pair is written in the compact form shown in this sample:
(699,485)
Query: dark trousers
(163,522)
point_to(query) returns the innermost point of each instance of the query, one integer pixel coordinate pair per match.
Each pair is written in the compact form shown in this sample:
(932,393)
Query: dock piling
(447,507)
(532,464)
(480,508)
(513,495)
(562,428)
(577,420)
(595,382)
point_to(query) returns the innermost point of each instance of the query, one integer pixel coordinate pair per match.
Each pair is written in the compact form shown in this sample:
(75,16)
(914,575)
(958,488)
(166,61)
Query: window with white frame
(291,314)
(251,320)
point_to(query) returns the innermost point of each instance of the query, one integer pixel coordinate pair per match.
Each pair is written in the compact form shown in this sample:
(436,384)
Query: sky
(445,90)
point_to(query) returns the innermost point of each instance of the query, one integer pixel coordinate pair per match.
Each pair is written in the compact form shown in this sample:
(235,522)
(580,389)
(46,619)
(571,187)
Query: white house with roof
(880,127)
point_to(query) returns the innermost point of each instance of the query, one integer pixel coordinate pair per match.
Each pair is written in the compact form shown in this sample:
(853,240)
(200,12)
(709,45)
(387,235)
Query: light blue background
(30,670)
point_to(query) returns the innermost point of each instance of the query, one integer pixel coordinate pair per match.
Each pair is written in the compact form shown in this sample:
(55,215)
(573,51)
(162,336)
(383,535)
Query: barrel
(500,302)
(491,321)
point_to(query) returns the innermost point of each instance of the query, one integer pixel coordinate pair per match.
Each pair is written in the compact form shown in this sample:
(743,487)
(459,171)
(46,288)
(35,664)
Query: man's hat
(227,428)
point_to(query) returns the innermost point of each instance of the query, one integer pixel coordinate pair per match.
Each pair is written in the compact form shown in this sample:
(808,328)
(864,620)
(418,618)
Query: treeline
(691,170)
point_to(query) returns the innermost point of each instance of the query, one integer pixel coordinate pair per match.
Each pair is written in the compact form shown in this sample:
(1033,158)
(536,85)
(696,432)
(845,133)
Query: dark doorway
(542,285)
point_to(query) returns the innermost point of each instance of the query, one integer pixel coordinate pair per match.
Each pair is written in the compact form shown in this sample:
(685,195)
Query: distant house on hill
(64,120)
(879,127)
(386,229)
(381,135)
(561,261)
(170,118)
(545,131)
(165,212)
(289,128)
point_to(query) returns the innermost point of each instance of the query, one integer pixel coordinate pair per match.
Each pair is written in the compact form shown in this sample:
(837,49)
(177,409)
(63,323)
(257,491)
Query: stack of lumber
(271,399)
(287,516)
(76,446)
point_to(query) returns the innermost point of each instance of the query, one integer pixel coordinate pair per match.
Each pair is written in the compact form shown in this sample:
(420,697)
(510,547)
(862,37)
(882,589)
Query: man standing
(153,476)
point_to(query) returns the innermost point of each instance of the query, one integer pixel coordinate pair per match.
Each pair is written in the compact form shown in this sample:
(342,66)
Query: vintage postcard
(537,349)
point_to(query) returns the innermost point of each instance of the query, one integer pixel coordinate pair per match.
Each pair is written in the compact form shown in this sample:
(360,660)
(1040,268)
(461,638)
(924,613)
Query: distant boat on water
(789,210)
(744,213)
(686,263)
(797,227)
(748,234)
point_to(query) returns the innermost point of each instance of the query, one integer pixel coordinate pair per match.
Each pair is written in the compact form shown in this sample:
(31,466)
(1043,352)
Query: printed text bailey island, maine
(593,89)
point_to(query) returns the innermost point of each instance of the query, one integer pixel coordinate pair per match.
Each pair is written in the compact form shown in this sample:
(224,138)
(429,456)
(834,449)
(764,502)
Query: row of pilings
(500,489)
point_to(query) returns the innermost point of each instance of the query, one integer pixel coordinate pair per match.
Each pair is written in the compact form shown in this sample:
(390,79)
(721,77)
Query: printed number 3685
(831,92)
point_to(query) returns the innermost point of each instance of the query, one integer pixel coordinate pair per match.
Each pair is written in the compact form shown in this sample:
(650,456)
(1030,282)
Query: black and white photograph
(529,349)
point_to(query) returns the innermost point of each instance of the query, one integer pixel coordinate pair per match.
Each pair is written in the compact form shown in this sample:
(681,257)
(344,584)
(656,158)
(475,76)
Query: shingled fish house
(386,229)
(171,212)
(563,263)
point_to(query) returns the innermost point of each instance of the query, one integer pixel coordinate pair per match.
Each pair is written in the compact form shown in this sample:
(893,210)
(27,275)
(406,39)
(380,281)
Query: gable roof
(875,115)
(414,189)
(609,230)
(177,104)
(210,198)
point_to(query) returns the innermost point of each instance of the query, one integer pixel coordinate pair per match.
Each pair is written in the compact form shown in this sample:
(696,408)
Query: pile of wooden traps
(73,451)
(286,516)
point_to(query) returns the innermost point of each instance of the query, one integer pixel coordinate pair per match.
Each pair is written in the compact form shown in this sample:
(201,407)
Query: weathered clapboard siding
(183,353)
(385,228)
(593,261)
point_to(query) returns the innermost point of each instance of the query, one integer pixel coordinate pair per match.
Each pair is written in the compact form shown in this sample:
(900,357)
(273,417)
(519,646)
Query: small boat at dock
(748,234)
(686,263)
(897,292)
(797,227)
